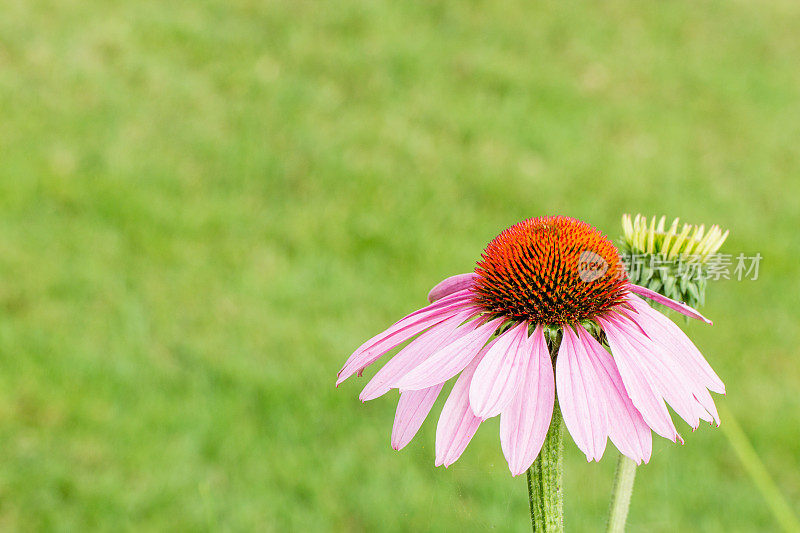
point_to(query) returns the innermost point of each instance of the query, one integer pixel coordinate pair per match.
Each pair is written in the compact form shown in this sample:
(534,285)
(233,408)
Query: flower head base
(550,270)
(668,261)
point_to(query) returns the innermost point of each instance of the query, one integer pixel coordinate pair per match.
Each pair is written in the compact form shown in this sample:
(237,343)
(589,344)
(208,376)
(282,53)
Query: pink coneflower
(543,280)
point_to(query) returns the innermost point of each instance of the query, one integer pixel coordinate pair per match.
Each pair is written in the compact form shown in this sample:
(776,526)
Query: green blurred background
(205,206)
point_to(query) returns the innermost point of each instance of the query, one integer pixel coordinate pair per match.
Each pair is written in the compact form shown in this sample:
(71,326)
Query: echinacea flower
(546,279)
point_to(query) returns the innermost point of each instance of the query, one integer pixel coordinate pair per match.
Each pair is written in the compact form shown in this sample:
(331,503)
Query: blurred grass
(206,206)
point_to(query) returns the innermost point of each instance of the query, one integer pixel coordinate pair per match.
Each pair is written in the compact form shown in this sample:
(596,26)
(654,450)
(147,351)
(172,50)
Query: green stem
(758,472)
(621,495)
(545,480)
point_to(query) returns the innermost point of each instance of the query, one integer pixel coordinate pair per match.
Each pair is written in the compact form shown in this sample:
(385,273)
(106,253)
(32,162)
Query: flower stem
(545,480)
(621,495)
(758,472)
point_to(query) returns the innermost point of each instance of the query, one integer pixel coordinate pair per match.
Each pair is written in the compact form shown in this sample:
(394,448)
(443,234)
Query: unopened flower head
(672,261)
(614,362)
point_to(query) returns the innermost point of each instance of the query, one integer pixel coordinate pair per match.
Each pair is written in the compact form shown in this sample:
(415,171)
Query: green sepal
(655,285)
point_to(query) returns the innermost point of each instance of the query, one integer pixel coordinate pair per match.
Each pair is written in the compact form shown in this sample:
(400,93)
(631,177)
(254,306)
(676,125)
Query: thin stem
(621,495)
(758,473)
(545,480)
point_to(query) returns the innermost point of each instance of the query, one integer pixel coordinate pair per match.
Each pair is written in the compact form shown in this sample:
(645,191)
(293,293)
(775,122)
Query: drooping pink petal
(449,360)
(707,402)
(462,296)
(669,302)
(581,396)
(668,381)
(450,285)
(626,427)
(637,381)
(498,376)
(412,409)
(457,423)
(415,353)
(524,423)
(401,331)
(663,330)
(667,355)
